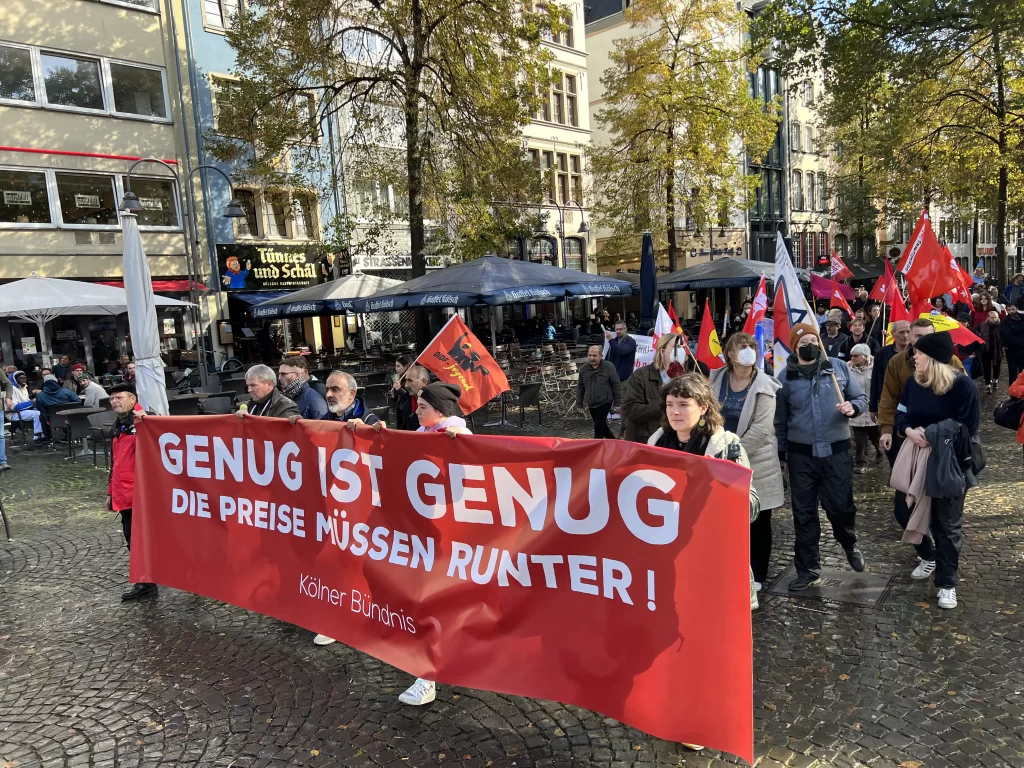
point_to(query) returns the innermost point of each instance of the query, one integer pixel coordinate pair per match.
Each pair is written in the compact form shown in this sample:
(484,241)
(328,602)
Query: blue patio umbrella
(492,281)
(648,283)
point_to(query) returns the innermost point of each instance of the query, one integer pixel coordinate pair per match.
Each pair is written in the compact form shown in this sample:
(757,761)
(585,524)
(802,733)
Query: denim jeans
(3,445)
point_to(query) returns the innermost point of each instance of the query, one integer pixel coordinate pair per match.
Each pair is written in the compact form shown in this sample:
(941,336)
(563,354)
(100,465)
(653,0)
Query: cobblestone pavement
(186,681)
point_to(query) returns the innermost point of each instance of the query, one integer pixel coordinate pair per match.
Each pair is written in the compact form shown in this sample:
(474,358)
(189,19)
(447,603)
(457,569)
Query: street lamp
(233,210)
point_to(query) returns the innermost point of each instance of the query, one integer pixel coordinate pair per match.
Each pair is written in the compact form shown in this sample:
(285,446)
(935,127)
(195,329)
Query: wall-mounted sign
(66,335)
(87,201)
(151,203)
(245,267)
(28,345)
(361,263)
(17,197)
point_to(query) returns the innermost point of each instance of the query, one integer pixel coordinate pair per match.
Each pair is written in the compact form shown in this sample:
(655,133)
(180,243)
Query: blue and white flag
(790,307)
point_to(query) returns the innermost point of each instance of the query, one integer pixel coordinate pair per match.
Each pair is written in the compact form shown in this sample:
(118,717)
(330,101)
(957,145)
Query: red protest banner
(603,574)
(456,356)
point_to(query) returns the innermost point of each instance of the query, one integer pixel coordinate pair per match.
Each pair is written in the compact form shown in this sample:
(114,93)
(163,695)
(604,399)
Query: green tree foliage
(429,96)
(926,97)
(679,116)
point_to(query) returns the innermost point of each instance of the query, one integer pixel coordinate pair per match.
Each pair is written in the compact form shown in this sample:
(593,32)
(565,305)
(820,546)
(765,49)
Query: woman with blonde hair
(641,403)
(691,422)
(936,399)
(747,399)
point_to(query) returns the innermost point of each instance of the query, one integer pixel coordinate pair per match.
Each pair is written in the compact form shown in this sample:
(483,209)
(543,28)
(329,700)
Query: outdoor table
(77,419)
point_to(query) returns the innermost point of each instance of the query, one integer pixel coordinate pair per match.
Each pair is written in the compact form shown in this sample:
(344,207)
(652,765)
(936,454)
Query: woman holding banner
(691,422)
(747,400)
(641,403)
(437,408)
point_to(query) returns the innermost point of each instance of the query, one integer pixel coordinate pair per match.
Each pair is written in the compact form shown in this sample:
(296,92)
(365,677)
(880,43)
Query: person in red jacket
(121,487)
(1017,390)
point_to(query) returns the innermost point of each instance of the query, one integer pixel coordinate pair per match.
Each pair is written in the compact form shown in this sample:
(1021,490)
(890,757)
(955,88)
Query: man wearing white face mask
(747,398)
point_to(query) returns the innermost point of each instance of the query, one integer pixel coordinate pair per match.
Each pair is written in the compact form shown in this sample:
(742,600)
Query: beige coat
(756,431)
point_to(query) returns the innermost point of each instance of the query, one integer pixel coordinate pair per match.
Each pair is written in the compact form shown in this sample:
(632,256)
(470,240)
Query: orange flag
(709,348)
(456,356)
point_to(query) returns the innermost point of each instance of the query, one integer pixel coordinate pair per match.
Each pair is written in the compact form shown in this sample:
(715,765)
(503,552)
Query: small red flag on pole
(709,348)
(456,356)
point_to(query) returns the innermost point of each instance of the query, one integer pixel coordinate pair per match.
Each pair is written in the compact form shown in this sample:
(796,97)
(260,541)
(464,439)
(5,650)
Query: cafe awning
(160,286)
(257,297)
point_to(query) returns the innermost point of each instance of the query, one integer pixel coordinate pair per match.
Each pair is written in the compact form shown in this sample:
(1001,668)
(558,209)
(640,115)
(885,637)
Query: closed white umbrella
(138,287)
(40,299)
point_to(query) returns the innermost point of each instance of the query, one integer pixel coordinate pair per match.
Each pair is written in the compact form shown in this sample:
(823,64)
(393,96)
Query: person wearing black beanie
(437,408)
(937,392)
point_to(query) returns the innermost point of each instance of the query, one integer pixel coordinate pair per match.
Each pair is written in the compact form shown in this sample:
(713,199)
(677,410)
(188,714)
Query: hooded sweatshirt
(54,394)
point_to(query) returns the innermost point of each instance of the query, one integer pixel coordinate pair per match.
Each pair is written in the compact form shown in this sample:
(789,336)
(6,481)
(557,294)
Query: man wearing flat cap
(121,486)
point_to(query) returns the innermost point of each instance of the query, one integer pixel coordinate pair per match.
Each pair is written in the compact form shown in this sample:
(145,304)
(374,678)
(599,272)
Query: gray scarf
(295,389)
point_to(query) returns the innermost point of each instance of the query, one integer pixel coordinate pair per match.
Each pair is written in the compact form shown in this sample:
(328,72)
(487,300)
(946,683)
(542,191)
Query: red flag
(919,305)
(885,287)
(899,312)
(925,265)
(758,307)
(962,292)
(838,300)
(430,529)
(961,336)
(839,270)
(709,348)
(456,356)
(676,327)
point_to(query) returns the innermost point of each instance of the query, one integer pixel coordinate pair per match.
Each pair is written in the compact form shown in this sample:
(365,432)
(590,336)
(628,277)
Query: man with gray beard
(344,405)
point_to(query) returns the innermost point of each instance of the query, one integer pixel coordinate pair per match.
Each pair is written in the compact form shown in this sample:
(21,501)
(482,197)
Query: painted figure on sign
(235,275)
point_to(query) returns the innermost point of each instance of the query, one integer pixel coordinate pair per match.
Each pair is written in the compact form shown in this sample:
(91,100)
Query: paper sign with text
(603,574)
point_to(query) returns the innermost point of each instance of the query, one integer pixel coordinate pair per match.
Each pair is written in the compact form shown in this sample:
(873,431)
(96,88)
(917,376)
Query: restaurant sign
(245,267)
(362,262)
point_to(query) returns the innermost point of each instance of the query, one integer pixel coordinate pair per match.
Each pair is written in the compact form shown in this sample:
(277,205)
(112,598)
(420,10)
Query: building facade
(811,224)
(86,88)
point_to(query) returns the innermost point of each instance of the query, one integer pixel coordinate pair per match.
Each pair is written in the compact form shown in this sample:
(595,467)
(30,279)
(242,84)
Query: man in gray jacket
(813,431)
(598,389)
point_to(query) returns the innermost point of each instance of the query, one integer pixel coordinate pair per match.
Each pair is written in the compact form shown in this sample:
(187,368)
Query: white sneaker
(421,692)
(925,568)
(757,586)
(947,597)
(694,747)
(323,640)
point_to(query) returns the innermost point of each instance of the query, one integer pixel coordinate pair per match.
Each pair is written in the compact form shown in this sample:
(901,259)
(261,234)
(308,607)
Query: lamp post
(233,210)
(560,228)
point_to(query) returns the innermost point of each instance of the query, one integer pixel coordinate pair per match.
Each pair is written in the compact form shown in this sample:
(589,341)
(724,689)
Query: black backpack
(1009,413)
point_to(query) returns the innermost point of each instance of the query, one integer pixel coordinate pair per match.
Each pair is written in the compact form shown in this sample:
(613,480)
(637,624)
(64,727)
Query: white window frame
(106,84)
(119,191)
(220,28)
(153,8)
(268,216)
(163,82)
(57,217)
(37,80)
(51,199)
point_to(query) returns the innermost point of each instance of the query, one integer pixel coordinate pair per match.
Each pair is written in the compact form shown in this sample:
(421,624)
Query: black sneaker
(803,581)
(139,592)
(856,560)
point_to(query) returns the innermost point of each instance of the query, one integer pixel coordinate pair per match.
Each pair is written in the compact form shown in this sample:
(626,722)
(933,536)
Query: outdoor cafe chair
(100,426)
(216,405)
(183,406)
(79,428)
(529,396)
(211,389)
(59,423)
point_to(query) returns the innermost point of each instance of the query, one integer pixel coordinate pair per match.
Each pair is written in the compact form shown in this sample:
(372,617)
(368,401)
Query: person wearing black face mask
(813,432)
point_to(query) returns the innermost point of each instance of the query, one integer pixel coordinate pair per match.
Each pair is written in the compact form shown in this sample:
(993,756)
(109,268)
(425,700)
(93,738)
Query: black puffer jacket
(1013,332)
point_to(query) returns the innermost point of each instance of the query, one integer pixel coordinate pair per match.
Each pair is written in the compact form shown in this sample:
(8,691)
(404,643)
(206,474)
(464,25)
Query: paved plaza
(185,681)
